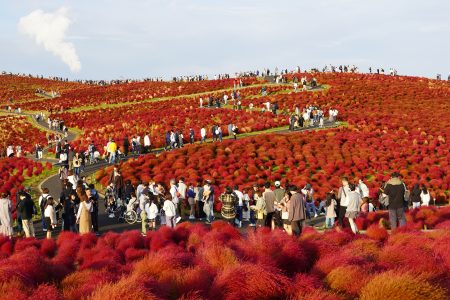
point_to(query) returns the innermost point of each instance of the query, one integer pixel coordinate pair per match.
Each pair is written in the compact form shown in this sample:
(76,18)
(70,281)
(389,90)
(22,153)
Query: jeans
(252,217)
(76,171)
(210,216)
(395,215)
(44,225)
(112,157)
(310,205)
(268,220)
(341,216)
(329,222)
(94,218)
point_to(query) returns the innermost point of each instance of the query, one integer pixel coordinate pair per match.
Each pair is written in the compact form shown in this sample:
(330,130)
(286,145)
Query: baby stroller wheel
(130,217)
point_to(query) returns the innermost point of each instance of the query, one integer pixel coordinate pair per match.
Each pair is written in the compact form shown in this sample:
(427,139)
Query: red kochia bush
(377,233)
(275,248)
(250,281)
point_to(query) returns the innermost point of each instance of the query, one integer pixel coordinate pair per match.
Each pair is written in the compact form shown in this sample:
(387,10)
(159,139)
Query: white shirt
(50,213)
(173,192)
(80,207)
(142,199)
(169,208)
(182,189)
(203,132)
(151,210)
(146,141)
(240,197)
(425,198)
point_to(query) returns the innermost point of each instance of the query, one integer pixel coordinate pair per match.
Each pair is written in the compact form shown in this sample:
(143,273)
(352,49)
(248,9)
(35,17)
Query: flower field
(14,171)
(390,128)
(130,92)
(21,88)
(17,131)
(193,262)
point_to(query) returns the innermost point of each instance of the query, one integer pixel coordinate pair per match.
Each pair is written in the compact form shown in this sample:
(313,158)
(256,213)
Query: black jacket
(26,208)
(396,192)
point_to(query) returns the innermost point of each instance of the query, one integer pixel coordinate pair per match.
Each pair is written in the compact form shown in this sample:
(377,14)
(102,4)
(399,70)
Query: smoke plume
(48,30)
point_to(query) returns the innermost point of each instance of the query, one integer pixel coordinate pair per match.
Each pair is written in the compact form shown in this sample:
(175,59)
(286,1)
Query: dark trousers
(201,213)
(341,216)
(397,215)
(252,217)
(297,227)
(268,220)
(94,218)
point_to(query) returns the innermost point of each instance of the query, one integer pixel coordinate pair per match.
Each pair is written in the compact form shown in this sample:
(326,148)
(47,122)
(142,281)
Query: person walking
(395,190)
(330,210)
(343,193)
(354,202)
(42,203)
(170,211)
(297,213)
(191,194)
(27,209)
(175,198)
(425,196)
(229,201)
(269,199)
(6,215)
(191,136)
(50,216)
(126,146)
(415,196)
(203,135)
(84,216)
(143,200)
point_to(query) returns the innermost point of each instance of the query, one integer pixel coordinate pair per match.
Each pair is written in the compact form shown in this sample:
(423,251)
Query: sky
(109,39)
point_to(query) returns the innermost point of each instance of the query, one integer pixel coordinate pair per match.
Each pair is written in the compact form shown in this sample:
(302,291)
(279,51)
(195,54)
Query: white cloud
(49,31)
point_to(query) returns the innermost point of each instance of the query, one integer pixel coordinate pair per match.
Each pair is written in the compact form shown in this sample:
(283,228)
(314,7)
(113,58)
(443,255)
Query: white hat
(277,183)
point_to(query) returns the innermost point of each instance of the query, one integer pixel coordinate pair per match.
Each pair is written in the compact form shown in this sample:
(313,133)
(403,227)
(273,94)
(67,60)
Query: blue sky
(135,39)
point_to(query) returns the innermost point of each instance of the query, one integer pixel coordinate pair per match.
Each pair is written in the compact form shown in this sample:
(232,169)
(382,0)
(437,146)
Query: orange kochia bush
(196,262)
(17,131)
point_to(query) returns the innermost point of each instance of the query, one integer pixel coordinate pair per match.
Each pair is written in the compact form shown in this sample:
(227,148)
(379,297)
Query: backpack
(44,202)
(407,194)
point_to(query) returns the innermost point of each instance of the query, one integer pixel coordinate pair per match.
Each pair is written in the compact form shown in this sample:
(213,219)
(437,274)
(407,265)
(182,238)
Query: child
(50,216)
(152,211)
(330,208)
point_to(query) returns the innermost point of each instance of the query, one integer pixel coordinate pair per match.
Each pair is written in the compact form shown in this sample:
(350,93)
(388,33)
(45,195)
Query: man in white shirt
(203,135)
(147,143)
(240,205)
(175,194)
(182,188)
(344,192)
(201,102)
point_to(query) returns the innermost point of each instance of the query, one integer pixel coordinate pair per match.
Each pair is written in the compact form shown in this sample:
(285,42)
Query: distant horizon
(210,76)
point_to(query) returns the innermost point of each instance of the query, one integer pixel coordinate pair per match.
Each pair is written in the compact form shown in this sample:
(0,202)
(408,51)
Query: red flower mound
(250,281)
(217,262)
(377,232)
(397,286)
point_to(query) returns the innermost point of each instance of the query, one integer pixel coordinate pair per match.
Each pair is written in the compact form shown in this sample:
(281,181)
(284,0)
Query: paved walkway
(53,183)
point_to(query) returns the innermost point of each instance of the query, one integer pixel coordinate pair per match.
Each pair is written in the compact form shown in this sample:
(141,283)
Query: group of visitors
(310,116)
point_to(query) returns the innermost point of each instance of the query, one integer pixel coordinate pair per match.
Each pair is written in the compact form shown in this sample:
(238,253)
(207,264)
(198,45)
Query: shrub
(392,285)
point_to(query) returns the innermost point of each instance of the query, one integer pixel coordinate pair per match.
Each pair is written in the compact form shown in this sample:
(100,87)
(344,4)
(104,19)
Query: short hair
(293,188)
(395,174)
(267,185)
(344,178)
(45,190)
(352,187)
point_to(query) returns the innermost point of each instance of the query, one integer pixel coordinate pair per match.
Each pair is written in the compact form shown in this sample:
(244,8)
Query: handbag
(260,215)
(384,199)
(284,215)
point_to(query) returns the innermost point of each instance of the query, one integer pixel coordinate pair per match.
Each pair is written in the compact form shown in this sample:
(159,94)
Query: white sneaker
(315,216)
(191,218)
(252,225)
(178,220)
